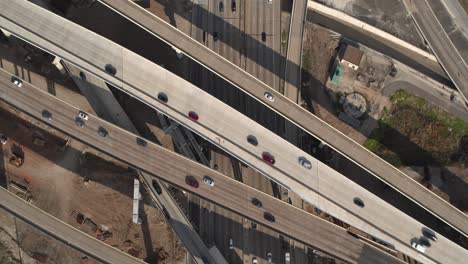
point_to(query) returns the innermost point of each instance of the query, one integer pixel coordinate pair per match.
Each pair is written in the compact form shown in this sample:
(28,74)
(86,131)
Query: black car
(215,36)
(429,234)
(156,186)
(141,142)
(263,36)
(47,115)
(162,97)
(233,6)
(166,213)
(358,202)
(269,217)
(252,140)
(452,98)
(221,7)
(102,132)
(82,76)
(424,242)
(256,202)
(110,69)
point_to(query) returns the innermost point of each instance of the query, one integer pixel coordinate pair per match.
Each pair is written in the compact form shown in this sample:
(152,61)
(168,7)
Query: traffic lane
(414,60)
(447,17)
(119,56)
(294,51)
(333,186)
(432,95)
(336,211)
(177,219)
(122,145)
(442,46)
(62,231)
(100,95)
(288,176)
(320,202)
(296,114)
(307,193)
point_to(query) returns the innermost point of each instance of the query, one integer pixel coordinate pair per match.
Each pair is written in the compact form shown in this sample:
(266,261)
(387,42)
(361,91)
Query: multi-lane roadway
(107,107)
(294,113)
(239,41)
(441,44)
(321,186)
(157,161)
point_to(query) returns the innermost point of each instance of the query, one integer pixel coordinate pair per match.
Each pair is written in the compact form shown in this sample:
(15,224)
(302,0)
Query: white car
(270,1)
(208,181)
(83,115)
(269,257)
(418,247)
(17,82)
(231,243)
(3,139)
(269,96)
(254,260)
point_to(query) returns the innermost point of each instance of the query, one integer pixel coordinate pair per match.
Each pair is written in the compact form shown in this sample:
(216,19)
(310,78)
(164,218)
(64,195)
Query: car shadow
(222,90)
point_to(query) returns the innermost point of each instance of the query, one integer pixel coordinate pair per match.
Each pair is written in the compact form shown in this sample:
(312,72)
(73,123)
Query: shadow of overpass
(148,39)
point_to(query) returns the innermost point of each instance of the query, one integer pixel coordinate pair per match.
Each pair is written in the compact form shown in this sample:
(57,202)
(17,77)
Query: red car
(268,158)
(191,181)
(193,115)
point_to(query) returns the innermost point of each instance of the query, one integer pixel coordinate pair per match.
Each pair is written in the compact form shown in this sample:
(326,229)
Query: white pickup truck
(418,247)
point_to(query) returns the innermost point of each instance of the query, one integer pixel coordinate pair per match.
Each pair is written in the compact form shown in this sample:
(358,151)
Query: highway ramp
(61,231)
(321,186)
(294,113)
(107,107)
(176,170)
(441,44)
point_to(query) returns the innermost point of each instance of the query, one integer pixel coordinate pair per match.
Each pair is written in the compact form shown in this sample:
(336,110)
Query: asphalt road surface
(294,57)
(107,107)
(229,26)
(61,231)
(157,161)
(441,44)
(296,114)
(321,186)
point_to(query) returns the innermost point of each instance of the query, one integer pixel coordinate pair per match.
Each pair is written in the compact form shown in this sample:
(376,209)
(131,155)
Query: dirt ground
(54,176)
(319,49)
(63,180)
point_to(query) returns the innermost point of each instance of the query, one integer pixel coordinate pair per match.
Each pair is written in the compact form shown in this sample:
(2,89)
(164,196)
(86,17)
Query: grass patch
(414,132)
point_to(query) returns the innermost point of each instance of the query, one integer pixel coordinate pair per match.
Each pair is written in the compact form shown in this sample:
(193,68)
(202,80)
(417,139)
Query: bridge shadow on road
(165,54)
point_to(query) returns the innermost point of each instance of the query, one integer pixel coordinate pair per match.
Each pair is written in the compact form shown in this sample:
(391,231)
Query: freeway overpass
(334,194)
(107,107)
(61,231)
(294,113)
(175,169)
(434,31)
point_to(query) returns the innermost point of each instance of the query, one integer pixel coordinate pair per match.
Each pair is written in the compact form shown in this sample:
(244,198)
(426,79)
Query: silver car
(269,96)
(209,181)
(83,115)
(305,163)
